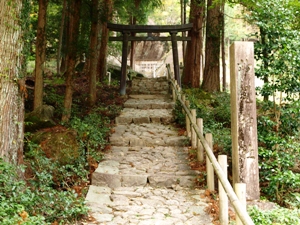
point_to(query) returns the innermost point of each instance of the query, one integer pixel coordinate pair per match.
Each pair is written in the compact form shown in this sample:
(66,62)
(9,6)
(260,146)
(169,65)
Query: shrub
(279,148)
(279,215)
(36,204)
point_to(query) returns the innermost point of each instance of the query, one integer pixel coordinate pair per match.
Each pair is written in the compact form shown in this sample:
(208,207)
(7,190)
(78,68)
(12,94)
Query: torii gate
(126,30)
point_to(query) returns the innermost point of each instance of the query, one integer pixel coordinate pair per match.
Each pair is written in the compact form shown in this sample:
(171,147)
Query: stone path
(145,178)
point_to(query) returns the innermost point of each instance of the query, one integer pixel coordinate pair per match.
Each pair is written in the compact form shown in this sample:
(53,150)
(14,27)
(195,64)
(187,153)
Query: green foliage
(214,109)
(92,132)
(279,216)
(278,48)
(35,204)
(167,14)
(178,114)
(138,9)
(279,148)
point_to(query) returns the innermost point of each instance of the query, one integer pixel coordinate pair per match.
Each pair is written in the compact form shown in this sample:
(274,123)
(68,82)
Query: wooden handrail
(239,209)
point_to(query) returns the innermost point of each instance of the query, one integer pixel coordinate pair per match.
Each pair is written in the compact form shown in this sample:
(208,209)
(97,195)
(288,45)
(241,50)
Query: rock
(40,118)
(58,143)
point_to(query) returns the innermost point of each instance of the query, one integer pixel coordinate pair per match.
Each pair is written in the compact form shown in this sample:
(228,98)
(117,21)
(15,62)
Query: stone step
(148,134)
(147,206)
(145,178)
(138,116)
(140,166)
(149,102)
(150,86)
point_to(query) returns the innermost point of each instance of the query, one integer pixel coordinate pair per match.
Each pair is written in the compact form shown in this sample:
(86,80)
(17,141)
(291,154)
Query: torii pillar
(175,57)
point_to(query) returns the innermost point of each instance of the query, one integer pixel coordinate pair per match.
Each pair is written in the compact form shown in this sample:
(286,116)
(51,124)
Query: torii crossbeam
(126,30)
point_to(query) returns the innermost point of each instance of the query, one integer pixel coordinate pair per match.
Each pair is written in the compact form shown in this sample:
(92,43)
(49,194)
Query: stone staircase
(145,178)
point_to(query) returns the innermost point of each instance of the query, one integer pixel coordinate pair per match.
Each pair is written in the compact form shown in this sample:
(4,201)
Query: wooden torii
(126,30)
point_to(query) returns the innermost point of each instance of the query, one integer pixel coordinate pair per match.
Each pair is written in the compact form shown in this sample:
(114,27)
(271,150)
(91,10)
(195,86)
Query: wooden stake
(209,167)
(200,151)
(187,120)
(222,159)
(193,133)
(240,190)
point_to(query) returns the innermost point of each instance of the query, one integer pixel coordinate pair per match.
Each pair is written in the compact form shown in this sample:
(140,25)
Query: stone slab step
(150,86)
(127,180)
(147,134)
(149,103)
(147,206)
(140,166)
(139,116)
(148,97)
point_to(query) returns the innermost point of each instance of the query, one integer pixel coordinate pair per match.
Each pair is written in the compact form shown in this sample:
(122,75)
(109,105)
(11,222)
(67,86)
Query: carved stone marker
(243,118)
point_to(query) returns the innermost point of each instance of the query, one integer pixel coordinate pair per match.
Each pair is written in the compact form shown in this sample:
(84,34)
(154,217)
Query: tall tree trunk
(61,32)
(108,6)
(133,21)
(223,44)
(12,87)
(183,21)
(73,29)
(192,60)
(95,30)
(211,76)
(40,54)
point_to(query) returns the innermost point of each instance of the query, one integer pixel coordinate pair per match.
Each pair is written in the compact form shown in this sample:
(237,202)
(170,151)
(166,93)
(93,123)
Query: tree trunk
(133,21)
(211,76)
(183,21)
(40,54)
(12,87)
(73,29)
(223,45)
(61,32)
(108,6)
(95,30)
(192,60)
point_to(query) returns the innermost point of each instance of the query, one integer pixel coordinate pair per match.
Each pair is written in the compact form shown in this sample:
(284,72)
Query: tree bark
(192,60)
(102,69)
(183,21)
(73,29)
(95,30)
(40,54)
(133,21)
(61,32)
(223,45)
(12,86)
(211,76)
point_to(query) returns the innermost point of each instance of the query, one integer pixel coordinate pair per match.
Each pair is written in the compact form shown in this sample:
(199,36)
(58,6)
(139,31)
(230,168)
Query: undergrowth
(279,149)
(49,191)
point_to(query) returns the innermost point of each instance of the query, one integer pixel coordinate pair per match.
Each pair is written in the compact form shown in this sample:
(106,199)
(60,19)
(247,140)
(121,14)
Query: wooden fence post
(183,100)
(174,94)
(240,190)
(193,135)
(222,159)
(200,150)
(209,167)
(187,120)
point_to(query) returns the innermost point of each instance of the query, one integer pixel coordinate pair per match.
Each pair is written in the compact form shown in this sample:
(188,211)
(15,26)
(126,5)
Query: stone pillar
(243,118)
(124,64)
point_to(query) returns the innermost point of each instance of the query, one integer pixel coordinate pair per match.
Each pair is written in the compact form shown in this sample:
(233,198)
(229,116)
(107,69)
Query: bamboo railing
(196,133)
